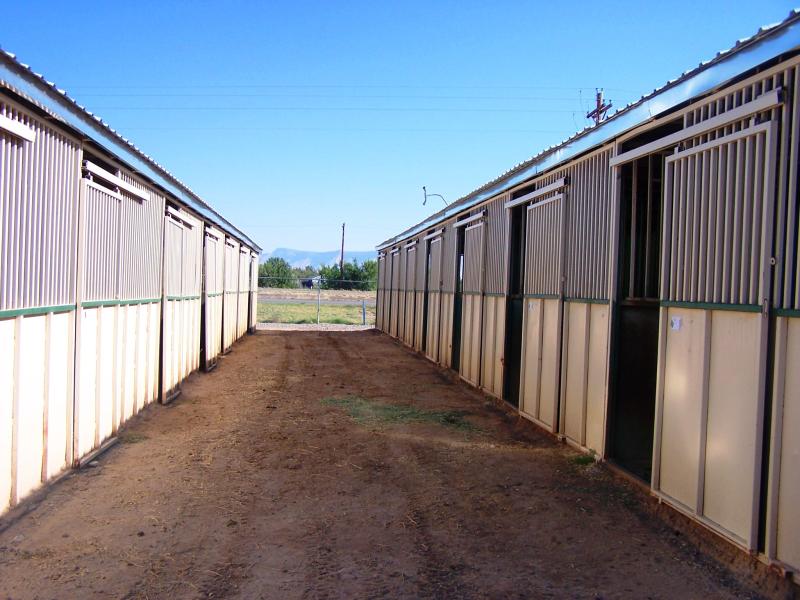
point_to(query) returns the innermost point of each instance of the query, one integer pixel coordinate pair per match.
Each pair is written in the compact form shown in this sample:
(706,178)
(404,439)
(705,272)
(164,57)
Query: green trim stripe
(99,303)
(542,296)
(36,310)
(214,294)
(140,301)
(586,300)
(787,312)
(177,298)
(750,308)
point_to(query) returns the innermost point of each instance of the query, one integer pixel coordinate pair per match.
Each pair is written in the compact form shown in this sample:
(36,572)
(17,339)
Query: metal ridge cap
(20,79)
(690,84)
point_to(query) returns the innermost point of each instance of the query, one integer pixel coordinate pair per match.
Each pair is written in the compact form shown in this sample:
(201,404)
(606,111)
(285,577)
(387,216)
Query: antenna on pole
(600,109)
(425,191)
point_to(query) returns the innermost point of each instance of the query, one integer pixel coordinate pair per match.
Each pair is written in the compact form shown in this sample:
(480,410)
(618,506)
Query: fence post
(363,312)
(319,288)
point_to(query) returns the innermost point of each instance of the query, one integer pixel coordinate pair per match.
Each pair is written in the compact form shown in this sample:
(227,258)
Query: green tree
(276,273)
(304,275)
(370,272)
(356,277)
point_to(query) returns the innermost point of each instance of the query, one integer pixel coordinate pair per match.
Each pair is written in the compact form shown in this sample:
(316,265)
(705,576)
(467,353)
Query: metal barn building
(115,282)
(635,291)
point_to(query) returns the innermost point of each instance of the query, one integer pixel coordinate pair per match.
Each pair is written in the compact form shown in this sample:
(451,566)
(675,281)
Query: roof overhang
(24,83)
(767,44)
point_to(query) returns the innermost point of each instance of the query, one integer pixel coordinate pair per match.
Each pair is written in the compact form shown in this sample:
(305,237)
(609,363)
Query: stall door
(394,294)
(181,301)
(542,313)
(432,299)
(243,295)
(716,252)
(472,304)
(379,317)
(252,318)
(213,290)
(230,304)
(410,292)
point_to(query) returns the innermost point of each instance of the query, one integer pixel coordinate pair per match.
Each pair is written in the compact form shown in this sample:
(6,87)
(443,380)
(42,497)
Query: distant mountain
(305,258)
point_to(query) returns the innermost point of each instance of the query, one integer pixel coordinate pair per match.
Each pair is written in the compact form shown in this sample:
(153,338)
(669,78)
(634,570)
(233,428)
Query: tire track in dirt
(438,578)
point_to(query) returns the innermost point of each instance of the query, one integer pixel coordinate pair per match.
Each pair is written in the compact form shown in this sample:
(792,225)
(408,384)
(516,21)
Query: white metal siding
(231,305)
(38,215)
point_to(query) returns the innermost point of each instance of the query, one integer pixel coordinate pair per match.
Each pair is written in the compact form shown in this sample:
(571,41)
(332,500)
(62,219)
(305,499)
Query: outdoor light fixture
(425,191)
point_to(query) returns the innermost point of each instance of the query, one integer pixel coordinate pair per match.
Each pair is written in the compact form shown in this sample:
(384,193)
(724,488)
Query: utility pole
(341,258)
(600,109)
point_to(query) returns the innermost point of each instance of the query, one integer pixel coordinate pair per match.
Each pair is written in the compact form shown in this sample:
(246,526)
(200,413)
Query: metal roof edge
(767,43)
(22,81)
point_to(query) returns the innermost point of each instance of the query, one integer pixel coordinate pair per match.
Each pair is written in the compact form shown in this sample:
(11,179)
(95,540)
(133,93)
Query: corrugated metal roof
(23,81)
(768,42)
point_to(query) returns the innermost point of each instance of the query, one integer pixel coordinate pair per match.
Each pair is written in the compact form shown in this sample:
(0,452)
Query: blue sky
(292,117)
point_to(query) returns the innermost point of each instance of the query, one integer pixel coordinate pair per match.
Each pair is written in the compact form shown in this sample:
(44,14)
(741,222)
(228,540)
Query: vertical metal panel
(38,215)
(543,248)
(101,257)
(587,227)
(192,267)
(214,288)
(448,274)
(243,296)
(496,232)
(783,505)
(473,258)
(708,434)
(732,432)
(421,265)
(785,76)
(577,319)
(691,263)
(596,378)
(394,293)
(434,299)
(410,294)
(541,349)
(8,371)
(173,321)
(253,313)
(230,304)
(446,328)
(173,258)
(435,266)
(680,446)
(401,293)
(472,302)
(183,253)
(493,336)
(379,316)
(140,243)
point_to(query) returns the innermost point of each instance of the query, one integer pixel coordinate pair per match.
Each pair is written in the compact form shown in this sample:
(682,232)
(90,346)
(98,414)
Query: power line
(349,129)
(340,86)
(332,109)
(327,96)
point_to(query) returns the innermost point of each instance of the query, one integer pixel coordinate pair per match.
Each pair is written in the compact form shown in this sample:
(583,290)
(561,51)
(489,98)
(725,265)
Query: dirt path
(258,482)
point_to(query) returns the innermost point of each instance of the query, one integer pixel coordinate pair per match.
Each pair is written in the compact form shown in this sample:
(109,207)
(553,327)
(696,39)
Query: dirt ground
(339,464)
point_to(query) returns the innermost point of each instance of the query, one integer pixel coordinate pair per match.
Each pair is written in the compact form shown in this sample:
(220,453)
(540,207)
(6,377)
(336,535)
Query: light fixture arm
(425,201)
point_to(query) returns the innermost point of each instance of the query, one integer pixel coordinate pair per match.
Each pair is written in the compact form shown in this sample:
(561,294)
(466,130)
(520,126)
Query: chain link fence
(316,300)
